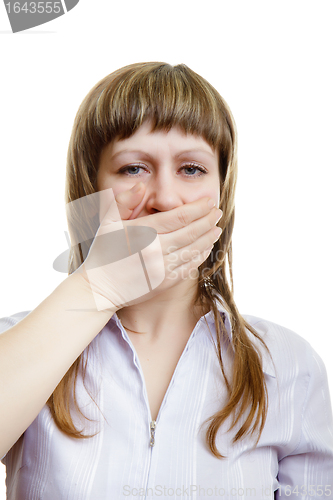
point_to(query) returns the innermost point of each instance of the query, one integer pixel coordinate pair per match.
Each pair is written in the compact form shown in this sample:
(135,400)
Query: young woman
(138,377)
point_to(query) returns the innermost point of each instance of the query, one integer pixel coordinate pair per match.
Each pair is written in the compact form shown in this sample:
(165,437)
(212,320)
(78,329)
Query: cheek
(201,192)
(107,182)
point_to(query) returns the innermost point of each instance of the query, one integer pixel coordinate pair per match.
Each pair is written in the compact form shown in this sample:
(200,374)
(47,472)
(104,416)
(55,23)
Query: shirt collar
(267,364)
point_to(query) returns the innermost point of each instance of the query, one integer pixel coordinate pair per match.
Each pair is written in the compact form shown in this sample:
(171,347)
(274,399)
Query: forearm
(37,352)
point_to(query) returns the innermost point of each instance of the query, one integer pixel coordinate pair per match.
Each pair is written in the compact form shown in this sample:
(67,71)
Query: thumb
(127,201)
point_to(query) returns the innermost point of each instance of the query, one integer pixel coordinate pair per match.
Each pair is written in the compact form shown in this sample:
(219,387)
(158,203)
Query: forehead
(174,140)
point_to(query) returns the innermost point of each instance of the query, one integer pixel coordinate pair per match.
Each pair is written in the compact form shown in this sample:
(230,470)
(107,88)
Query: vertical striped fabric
(293,459)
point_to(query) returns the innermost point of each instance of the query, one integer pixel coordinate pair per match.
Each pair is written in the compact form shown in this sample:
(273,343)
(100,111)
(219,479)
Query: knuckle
(186,255)
(192,235)
(182,217)
(195,253)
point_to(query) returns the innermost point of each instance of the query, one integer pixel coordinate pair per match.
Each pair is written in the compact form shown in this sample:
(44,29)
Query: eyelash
(202,171)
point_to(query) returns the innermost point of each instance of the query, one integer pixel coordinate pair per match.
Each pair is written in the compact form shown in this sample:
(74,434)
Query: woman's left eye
(193,170)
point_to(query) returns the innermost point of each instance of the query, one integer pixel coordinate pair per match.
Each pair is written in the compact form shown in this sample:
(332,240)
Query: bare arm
(37,352)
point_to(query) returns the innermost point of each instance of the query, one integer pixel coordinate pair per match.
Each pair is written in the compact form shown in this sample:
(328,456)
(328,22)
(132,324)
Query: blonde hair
(168,96)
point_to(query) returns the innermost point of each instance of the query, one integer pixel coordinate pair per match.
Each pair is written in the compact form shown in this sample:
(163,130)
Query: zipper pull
(152,433)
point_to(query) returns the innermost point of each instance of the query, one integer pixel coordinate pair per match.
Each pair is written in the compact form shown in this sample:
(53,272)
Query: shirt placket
(152,425)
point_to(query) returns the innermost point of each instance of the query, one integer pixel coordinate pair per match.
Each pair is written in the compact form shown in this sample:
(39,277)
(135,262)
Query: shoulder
(299,397)
(277,335)
(9,321)
(290,353)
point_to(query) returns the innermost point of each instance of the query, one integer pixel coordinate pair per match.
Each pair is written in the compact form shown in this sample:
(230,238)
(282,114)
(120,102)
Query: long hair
(171,96)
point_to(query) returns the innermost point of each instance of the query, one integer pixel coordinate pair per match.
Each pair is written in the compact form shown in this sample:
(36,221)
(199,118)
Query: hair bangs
(165,95)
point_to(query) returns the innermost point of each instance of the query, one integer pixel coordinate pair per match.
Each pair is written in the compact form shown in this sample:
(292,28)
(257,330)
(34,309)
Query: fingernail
(211,203)
(219,214)
(137,187)
(217,232)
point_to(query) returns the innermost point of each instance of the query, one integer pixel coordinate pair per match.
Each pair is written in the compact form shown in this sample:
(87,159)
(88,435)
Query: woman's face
(176,168)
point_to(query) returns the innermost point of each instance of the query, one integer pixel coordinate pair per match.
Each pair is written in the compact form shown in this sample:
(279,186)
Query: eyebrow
(144,153)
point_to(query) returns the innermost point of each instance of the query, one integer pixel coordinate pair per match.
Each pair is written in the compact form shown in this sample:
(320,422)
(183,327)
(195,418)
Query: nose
(162,193)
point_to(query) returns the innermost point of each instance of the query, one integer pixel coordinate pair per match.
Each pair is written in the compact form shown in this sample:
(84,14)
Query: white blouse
(293,459)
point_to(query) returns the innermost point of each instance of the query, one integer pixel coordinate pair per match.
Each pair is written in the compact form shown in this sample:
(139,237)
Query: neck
(175,307)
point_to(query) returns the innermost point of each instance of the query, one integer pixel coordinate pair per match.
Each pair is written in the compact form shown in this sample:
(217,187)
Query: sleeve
(5,324)
(307,473)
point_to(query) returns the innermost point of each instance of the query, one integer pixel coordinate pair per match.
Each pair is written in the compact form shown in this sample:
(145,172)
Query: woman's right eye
(131,170)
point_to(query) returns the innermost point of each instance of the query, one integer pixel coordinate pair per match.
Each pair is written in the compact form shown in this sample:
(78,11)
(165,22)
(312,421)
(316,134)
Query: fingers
(183,244)
(114,209)
(179,256)
(186,249)
(189,235)
(188,269)
(127,201)
(172,220)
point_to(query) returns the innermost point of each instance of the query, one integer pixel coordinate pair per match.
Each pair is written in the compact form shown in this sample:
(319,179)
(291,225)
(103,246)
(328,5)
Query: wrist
(87,297)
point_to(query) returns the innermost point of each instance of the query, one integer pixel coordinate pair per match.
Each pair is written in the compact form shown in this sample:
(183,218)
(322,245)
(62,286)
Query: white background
(271,61)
